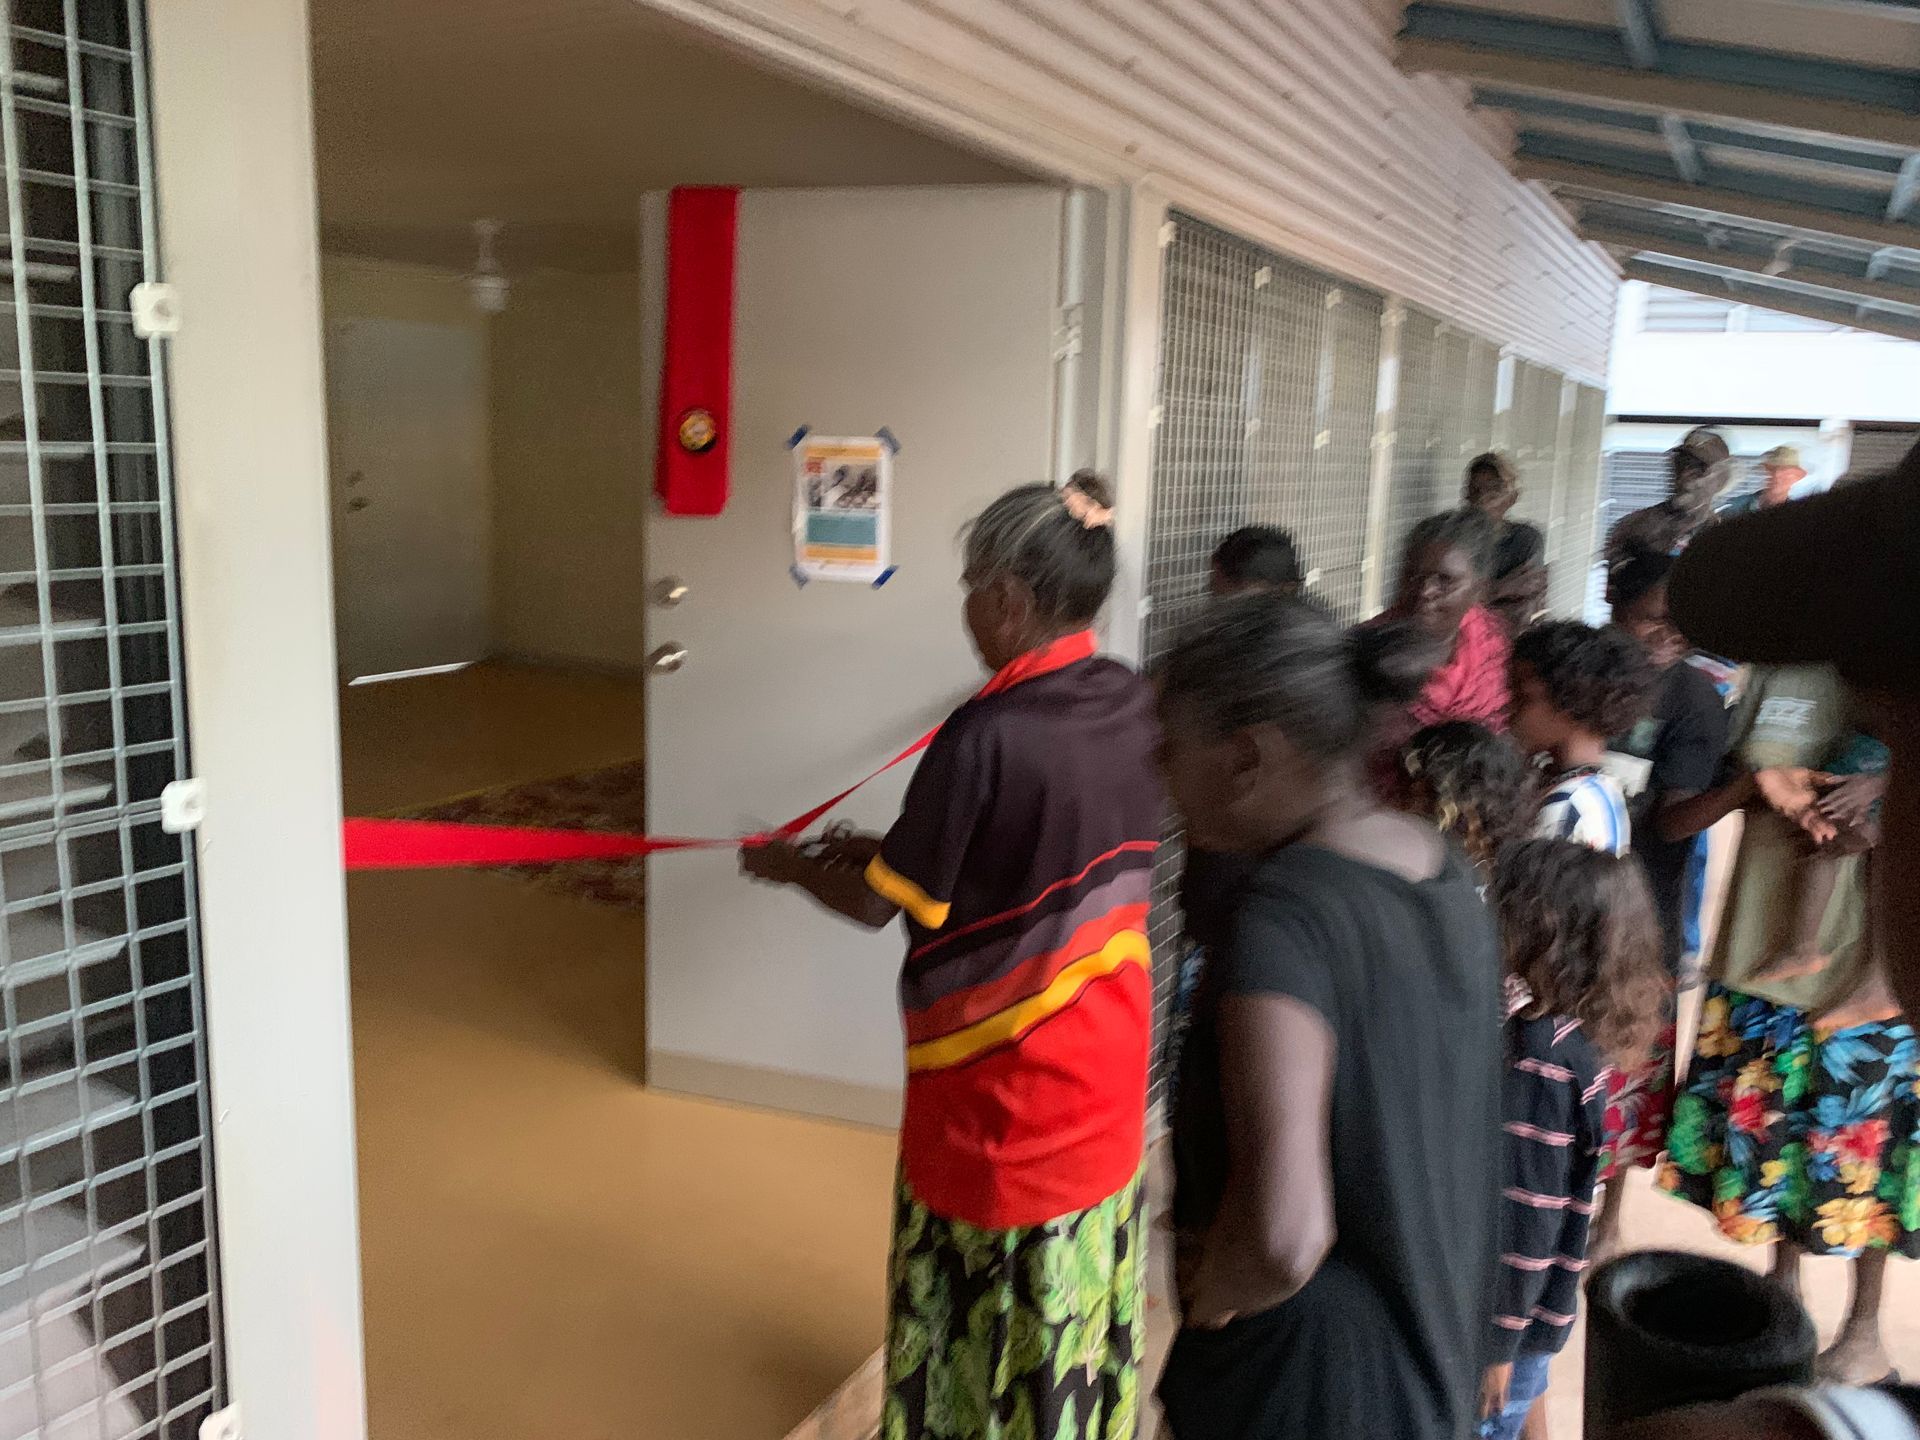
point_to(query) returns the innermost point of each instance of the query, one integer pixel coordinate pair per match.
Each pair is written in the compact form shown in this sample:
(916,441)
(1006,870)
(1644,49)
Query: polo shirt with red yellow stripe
(1023,860)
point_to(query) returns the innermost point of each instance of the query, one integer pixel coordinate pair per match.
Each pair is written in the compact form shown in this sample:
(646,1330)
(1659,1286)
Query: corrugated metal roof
(1768,154)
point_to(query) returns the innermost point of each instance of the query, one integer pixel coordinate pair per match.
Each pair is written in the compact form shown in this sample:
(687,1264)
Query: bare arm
(1681,815)
(1276,1219)
(825,874)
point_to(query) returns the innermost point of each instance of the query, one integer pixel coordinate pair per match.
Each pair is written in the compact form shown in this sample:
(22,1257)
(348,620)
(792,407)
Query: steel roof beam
(1881,159)
(1844,200)
(1692,79)
(1906,189)
(1640,32)
(1716,199)
(1843,287)
(1723,287)
(1686,156)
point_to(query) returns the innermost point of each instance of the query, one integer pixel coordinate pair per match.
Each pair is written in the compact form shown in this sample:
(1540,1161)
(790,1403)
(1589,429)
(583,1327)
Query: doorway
(561,1227)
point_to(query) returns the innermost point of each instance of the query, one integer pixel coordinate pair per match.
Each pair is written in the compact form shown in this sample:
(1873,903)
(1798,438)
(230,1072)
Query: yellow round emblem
(698,431)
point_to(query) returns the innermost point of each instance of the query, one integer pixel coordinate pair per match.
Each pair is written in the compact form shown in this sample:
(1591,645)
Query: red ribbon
(439,844)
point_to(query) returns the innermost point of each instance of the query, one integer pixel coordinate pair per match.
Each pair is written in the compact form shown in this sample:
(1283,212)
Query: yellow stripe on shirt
(1129,947)
(889,884)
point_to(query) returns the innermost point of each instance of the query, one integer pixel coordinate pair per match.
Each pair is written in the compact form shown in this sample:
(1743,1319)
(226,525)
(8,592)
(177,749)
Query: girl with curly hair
(1584,990)
(1573,687)
(1472,784)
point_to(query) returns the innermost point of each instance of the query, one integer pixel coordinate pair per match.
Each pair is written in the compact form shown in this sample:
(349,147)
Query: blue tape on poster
(887,438)
(884,576)
(799,576)
(799,435)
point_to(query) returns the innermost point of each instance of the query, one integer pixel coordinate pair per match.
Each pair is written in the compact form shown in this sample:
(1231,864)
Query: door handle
(359,502)
(667,659)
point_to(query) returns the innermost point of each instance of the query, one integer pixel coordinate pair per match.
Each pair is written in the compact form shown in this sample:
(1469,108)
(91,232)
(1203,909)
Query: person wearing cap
(1833,579)
(1701,467)
(1784,471)
(1517,586)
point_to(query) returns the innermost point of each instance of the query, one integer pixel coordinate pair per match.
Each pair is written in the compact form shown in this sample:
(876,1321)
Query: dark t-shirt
(1210,885)
(1519,544)
(1389,1336)
(1685,739)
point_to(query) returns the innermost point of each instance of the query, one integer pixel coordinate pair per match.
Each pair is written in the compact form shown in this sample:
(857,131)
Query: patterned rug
(609,799)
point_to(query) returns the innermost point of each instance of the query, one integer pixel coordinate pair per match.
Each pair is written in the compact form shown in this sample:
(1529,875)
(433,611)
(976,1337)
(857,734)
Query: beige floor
(412,742)
(549,1249)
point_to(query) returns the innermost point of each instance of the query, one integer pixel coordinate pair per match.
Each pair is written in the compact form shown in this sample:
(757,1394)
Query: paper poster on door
(842,507)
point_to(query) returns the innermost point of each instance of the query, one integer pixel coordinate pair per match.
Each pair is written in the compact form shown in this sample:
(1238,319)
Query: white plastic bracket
(222,1425)
(156,310)
(183,805)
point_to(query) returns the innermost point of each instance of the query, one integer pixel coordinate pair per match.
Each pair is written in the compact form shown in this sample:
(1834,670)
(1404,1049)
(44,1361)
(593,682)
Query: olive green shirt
(1790,715)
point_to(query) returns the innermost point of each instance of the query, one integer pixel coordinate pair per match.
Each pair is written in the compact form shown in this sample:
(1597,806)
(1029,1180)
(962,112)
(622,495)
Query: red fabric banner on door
(696,371)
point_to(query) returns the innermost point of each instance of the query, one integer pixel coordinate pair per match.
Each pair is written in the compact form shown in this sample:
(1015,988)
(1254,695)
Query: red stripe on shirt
(968,1007)
(1130,847)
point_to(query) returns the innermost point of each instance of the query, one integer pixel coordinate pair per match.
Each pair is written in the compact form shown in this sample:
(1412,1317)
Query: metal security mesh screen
(1534,426)
(1443,417)
(1878,450)
(1269,379)
(108,1325)
(1574,540)
(1422,477)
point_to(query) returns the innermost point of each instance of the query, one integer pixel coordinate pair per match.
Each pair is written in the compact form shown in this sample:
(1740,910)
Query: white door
(928,312)
(407,454)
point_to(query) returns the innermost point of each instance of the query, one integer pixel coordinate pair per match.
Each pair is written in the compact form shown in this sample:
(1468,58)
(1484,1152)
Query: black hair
(1269,659)
(1466,529)
(1578,928)
(1602,680)
(1397,658)
(1633,575)
(1700,450)
(1495,463)
(1057,541)
(1259,555)
(1473,784)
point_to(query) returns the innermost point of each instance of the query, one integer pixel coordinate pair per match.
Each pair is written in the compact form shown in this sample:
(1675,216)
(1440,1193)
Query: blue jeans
(1529,1384)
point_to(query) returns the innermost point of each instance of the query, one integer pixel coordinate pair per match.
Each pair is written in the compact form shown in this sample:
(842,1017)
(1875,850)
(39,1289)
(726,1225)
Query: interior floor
(548,1248)
(406,743)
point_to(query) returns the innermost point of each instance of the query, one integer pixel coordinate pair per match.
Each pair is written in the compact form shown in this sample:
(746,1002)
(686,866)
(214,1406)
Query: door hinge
(183,805)
(156,310)
(222,1425)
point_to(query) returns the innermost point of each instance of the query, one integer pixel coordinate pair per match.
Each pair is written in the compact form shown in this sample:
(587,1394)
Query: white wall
(352,287)
(407,400)
(233,140)
(1775,375)
(790,693)
(572,480)
(1288,123)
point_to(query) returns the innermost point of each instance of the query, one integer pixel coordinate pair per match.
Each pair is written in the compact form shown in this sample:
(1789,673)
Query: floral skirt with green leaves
(1785,1134)
(1027,1334)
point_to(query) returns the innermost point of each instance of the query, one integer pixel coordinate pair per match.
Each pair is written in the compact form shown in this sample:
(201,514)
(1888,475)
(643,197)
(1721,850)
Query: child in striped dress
(1584,986)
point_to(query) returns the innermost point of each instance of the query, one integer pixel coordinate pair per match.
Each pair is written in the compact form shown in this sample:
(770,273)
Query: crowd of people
(1443,888)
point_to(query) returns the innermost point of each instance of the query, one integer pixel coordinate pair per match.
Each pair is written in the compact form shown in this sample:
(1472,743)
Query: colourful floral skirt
(1639,1108)
(1028,1334)
(1787,1136)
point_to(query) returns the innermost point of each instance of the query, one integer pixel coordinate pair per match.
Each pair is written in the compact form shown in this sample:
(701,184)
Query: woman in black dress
(1336,1141)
